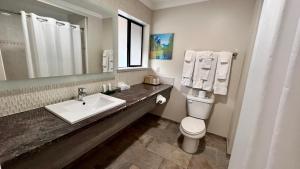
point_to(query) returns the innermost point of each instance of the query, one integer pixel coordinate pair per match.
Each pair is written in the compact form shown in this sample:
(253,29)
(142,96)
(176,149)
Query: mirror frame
(6,86)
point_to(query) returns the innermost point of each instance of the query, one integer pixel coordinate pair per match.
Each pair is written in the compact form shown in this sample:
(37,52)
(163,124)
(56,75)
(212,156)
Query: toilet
(193,127)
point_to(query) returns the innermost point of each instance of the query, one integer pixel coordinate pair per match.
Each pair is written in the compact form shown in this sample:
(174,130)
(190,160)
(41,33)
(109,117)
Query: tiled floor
(153,143)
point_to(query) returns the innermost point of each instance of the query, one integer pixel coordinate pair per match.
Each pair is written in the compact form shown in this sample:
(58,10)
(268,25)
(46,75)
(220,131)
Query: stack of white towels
(108,61)
(207,70)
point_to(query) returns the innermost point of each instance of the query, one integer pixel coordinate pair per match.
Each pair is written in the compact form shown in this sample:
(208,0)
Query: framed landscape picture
(161,46)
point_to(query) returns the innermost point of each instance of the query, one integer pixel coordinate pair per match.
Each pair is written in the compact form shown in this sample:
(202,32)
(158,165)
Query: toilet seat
(193,126)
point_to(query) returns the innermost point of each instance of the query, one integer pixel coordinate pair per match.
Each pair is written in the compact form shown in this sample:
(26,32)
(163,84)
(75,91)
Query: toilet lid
(192,125)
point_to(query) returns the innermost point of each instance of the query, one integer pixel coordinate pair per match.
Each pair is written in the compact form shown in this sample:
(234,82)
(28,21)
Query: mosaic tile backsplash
(27,100)
(20,100)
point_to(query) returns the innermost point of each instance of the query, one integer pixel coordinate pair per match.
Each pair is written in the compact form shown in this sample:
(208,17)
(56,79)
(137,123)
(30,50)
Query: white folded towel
(224,60)
(188,68)
(105,64)
(223,68)
(223,73)
(209,83)
(200,74)
(189,56)
(207,63)
(107,60)
(204,74)
(110,61)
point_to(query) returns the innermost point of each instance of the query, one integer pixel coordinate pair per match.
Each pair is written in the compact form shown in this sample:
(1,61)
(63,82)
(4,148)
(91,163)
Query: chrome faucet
(81,93)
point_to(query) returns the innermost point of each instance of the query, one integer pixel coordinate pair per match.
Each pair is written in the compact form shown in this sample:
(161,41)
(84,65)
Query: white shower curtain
(2,70)
(53,48)
(268,133)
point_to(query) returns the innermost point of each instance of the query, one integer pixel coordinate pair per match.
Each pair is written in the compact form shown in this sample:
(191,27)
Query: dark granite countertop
(32,130)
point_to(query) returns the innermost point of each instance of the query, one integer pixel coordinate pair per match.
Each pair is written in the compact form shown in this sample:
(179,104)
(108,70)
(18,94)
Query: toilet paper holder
(160,99)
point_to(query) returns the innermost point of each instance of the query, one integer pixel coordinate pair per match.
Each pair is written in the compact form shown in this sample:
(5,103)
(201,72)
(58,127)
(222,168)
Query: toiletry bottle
(109,87)
(104,88)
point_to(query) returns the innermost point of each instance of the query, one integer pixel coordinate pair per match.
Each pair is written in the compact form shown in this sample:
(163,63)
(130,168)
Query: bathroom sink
(74,111)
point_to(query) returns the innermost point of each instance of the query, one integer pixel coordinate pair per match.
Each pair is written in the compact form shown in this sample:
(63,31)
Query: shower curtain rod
(4,11)
(28,15)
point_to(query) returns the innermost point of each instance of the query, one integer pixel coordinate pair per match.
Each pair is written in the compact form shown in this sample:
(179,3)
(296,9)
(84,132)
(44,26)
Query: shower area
(40,42)
(12,48)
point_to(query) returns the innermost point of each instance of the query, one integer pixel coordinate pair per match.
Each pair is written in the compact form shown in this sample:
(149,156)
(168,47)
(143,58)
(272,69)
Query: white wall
(213,25)
(94,44)
(138,10)
(132,7)
(107,40)
(243,79)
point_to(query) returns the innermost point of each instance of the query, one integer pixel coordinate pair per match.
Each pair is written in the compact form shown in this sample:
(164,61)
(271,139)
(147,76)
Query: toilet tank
(199,107)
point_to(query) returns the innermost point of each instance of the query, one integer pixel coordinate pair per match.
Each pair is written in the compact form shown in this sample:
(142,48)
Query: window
(130,42)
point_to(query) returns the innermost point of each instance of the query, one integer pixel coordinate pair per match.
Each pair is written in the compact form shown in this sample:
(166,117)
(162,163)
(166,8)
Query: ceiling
(161,4)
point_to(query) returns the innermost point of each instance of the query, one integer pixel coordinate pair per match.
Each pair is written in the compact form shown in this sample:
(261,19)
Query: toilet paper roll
(160,99)
(202,94)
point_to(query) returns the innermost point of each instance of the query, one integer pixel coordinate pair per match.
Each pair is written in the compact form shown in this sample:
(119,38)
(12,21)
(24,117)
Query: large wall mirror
(50,38)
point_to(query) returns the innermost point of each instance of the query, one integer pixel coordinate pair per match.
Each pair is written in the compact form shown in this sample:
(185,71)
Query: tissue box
(151,79)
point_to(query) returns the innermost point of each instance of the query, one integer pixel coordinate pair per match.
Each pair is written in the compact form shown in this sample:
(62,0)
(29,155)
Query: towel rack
(11,43)
(235,54)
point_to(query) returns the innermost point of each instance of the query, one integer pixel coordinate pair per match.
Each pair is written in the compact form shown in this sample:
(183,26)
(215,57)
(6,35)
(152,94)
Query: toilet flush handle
(190,101)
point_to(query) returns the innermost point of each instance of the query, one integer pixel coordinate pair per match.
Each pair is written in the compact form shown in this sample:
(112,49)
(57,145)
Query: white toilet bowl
(193,127)
(193,130)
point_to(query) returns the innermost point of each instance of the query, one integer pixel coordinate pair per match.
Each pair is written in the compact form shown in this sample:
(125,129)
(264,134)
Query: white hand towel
(188,68)
(221,83)
(207,63)
(189,56)
(224,60)
(110,61)
(223,67)
(204,74)
(222,71)
(209,83)
(200,74)
(105,61)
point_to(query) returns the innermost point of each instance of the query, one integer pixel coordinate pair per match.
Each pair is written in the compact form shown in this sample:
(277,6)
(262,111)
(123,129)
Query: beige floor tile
(222,160)
(163,124)
(153,143)
(168,135)
(205,155)
(166,164)
(170,152)
(138,155)
(134,167)
(216,142)
(197,162)
(145,139)
(119,163)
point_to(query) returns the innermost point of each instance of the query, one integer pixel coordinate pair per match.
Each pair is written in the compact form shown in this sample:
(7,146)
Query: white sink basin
(74,111)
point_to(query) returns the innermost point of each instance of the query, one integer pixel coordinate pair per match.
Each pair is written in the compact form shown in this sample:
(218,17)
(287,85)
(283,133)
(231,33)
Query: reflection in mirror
(42,40)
